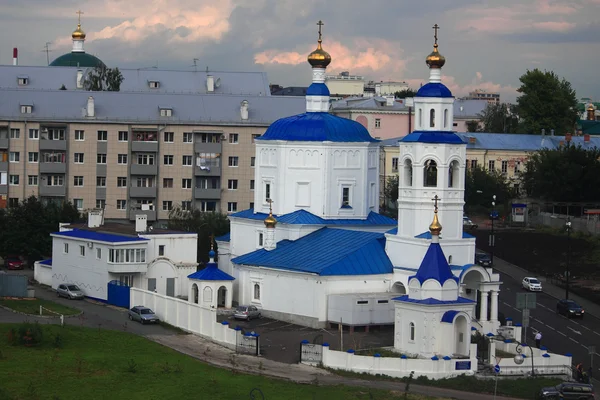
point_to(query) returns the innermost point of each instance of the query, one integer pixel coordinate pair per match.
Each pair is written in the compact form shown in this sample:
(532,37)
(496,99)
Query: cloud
(507,92)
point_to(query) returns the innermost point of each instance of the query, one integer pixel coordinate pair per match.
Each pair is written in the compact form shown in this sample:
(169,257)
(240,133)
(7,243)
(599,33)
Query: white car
(532,284)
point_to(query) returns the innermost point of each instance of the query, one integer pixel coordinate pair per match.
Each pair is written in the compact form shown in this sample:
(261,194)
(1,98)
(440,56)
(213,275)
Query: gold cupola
(270,221)
(78,34)
(319,58)
(435,228)
(435,59)
(591,112)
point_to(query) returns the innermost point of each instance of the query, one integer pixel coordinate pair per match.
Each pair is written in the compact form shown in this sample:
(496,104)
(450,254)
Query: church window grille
(432,118)
(408,173)
(256,291)
(430,173)
(260,239)
(267,191)
(395,164)
(446,118)
(346,197)
(411,330)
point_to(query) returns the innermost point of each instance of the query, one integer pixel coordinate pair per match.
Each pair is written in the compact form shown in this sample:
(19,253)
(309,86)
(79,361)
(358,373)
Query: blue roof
(317,127)
(433,137)
(317,89)
(427,235)
(225,238)
(434,266)
(432,301)
(303,217)
(211,273)
(507,141)
(46,262)
(326,251)
(449,316)
(98,236)
(433,89)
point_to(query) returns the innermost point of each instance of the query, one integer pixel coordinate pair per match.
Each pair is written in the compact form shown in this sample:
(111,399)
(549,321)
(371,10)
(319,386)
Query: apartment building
(480,94)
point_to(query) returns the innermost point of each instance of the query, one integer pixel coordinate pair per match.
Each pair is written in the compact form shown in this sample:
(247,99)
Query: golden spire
(212,241)
(78,34)
(591,112)
(435,228)
(270,221)
(435,59)
(319,58)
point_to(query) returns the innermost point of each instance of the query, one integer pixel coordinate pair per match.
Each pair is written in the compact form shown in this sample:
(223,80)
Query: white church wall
(409,253)
(181,248)
(42,273)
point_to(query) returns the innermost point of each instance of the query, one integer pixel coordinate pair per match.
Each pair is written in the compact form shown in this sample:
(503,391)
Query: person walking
(579,369)
(538,339)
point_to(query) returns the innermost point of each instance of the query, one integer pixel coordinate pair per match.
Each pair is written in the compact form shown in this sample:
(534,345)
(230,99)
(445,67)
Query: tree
(203,223)
(404,93)
(570,173)
(472,126)
(481,185)
(546,102)
(499,118)
(102,78)
(390,196)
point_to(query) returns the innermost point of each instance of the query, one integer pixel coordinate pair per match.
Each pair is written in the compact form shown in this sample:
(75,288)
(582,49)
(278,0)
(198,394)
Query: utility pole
(47,51)
(568,272)
(492,240)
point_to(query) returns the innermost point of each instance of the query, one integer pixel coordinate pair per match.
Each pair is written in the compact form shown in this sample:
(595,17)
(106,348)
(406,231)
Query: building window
(252,184)
(127,256)
(257,291)
(66,248)
(34,134)
(233,161)
(169,137)
(98,253)
(78,158)
(166,112)
(32,180)
(13,180)
(252,161)
(445,118)
(101,181)
(473,164)
(55,180)
(121,204)
(491,165)
(145,159)
(122,159)
(186,183)
(517,166)
(78,203)
(14,156)
(102,136)
(161,250)
(232,184)
(453,174)
(377,123)
(121,181)
(100,203)
(430,174)
(408,173)
(233,138)
(55,134)
(145,181)
(504,167)
(186,205)
(167,183)
(153,84)
(411,331)
(267,191)
(186,161)
(251,205)
(167,205)
(168,159)
(82,250)
(79,136)
(13,202)
(432,118)
(34,157)
(123,136)
(78,181)
(232,206)
(26,109)
(23,81)
(346,197)
(188,137)
(394,164)
(15,133)
(101,158)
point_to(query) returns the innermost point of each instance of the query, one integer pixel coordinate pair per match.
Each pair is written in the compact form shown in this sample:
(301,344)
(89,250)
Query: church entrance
(461,335)
(195,293)
(222,296)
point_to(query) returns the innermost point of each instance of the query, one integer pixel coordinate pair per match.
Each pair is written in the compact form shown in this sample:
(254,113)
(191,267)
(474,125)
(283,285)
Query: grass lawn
(32,306)
(100,364)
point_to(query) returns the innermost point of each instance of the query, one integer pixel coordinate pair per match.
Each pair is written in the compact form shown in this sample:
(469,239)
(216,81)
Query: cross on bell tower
(436,27)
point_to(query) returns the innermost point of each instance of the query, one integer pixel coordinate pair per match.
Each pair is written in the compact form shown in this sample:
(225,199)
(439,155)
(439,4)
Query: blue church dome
(434,90)
(317,89)
(317,127)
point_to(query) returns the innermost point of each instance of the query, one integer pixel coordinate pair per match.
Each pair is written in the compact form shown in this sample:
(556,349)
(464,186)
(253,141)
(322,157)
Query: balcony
(127,268)
(144,146)
(47,144)
(101,193)
(144,169)
(4,143)
(200,147)
(53,168)
(207,171)
(3,189)
(142,192)
(52,191)
(151,214)
(207,194)
(4,166)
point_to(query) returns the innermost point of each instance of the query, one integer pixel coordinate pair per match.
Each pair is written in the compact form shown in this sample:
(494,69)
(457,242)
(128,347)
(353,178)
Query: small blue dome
(211,254)
(317,89)
(317,127)
(448,137)
(434,90)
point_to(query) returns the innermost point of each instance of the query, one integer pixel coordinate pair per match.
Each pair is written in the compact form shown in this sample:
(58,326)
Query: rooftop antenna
(207,69)
(195,64)
(47,51)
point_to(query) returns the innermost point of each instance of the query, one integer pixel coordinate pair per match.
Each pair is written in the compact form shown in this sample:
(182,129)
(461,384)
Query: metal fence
(586,224)
(248,343)
(13,285)
(311,353)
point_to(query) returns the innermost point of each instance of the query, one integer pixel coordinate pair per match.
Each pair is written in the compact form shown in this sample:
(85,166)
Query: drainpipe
(25,136)
(485,159)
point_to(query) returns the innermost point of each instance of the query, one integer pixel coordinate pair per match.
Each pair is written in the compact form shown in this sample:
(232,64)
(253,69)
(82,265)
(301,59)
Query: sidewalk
(222,357)
(519,273)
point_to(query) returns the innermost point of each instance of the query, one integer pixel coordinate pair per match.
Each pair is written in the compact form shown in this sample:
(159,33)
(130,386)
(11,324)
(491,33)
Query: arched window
(256,291)
(432,118)
(411,331)
(420,118)
(446,118)
(453,174)
(408,173)
(430,174)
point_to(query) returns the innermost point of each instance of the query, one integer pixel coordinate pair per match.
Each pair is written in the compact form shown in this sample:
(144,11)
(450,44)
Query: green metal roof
(77,59)
(589,127)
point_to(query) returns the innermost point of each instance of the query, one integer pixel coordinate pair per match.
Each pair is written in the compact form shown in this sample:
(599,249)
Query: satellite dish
(218,82)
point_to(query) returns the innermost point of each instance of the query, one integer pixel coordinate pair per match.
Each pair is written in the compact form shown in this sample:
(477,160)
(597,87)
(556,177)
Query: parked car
(532,284)
(13,262)
(568,390)
(247,313)
(467,223)
(143,314)
(483,259)
(569,308)
(70,291)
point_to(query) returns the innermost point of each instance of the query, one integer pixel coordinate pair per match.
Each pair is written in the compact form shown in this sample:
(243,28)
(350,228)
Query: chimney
(389,101)
(543,132)
(210,83)
(551,132)
(244,110)
(567,137)
(15,56)
(591,112)
(586,138)
(95,218)
(91,112)
(79,79)
(141,223)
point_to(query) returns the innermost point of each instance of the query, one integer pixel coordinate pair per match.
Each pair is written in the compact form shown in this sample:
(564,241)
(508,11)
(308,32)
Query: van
(568,390)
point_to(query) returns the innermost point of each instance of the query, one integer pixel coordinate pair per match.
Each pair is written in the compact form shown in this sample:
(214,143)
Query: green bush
(26,334)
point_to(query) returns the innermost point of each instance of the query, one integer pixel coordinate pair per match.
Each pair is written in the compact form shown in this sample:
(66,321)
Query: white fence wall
(399,367)
(187,316)
(42,273)
(544,363)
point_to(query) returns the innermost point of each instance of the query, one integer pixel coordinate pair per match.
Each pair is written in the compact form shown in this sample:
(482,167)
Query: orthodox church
(315,249)
(77,57)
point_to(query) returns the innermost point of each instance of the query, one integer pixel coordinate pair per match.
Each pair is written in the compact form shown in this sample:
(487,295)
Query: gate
(13,285)
(311,353)
(118,294)
(247,344)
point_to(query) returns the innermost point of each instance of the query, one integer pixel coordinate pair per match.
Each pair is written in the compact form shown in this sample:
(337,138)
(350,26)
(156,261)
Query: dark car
(13,262)
(568,390)
(569,308)
(483,259)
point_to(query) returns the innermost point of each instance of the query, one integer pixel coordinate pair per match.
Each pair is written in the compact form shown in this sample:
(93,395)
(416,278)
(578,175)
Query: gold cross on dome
(79,12)
(435,204)
(270,206)
(212,241)
(320,24)
(436,27)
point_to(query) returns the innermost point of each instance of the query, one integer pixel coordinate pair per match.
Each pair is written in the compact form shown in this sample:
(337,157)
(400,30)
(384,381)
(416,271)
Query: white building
(389,88)
(344,84)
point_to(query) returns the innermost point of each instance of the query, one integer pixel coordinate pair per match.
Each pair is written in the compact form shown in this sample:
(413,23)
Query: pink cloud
(549,7)
(460,90)
(554,26)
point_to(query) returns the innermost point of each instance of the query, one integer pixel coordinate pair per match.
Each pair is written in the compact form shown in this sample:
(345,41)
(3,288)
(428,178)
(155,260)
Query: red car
(13,262)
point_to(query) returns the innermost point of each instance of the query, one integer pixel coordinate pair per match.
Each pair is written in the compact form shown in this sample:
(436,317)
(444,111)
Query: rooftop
(211,273)
(98,236)
(124,229)
(303,217)
(462,108)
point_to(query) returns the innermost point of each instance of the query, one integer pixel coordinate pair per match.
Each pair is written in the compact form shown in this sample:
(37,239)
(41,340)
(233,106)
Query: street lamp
(568,272)
(519,358)
(492,240)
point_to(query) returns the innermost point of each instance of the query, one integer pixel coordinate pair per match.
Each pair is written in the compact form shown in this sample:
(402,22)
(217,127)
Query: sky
(487,44)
